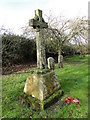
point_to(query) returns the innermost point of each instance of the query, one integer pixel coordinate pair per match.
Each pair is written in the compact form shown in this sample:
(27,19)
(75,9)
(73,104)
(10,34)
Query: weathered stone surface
(51,64)
(41,57)
(40,105)
(41,85)
(38,21)
(38,24)
(60,61)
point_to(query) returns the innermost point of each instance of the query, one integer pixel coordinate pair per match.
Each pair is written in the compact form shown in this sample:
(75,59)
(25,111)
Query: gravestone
(51,63)
(42,84)
(60,61)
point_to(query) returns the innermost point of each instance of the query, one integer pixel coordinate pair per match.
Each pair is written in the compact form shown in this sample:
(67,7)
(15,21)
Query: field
(74,81)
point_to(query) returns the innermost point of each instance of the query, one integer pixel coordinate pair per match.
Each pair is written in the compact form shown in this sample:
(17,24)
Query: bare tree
(65,30)
(28,32)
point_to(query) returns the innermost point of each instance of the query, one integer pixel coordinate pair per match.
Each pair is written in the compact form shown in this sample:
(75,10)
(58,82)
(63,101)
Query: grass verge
(74,81)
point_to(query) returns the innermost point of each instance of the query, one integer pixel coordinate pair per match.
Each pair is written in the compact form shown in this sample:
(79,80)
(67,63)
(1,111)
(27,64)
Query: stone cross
(39,24)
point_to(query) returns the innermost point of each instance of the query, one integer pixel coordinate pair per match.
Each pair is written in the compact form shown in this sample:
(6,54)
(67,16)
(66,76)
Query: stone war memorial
(42,87)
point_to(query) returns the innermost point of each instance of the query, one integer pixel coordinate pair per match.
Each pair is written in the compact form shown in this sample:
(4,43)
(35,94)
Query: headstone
(51,63)
(42,84)
(60,62)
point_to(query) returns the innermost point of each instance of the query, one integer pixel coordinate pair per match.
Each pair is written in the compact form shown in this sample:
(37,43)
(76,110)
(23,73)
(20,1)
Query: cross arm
(37,24)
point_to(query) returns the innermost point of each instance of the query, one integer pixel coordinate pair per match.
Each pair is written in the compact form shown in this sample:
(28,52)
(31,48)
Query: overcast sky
(14,14)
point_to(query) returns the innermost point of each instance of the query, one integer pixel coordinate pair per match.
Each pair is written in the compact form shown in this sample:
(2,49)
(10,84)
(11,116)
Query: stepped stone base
(43,86)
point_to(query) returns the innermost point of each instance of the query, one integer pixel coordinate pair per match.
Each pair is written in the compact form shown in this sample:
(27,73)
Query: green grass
(74,81)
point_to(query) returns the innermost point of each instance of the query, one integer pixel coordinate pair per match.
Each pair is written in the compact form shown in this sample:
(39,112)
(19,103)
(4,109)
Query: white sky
(14,14)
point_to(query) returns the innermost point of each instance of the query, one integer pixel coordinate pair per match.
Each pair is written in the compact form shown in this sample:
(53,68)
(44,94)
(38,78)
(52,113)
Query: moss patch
(36,104)
(41,85)
(43,71)
(53,98)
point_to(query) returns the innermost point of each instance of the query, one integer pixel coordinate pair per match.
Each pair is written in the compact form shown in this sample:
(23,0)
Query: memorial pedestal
(43,87)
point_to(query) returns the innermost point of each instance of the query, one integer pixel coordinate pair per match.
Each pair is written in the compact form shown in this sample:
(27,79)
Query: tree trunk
(59,54)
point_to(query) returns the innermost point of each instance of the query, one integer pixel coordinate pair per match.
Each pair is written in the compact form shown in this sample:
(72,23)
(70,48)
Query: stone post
(41,57)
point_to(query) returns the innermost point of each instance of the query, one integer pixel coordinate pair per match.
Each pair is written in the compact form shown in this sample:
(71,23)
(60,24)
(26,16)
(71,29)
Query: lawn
(74,81)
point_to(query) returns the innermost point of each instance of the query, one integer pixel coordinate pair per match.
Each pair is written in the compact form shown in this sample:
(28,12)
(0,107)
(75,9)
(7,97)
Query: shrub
(17,49)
